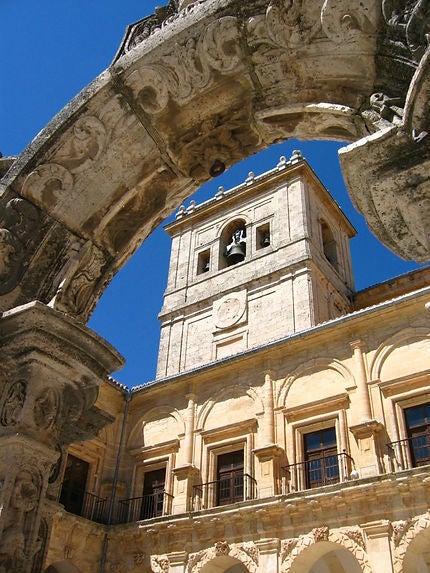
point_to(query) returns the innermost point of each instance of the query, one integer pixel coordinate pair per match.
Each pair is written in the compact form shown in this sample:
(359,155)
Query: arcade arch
(224,564)
(325,557)
(417,556)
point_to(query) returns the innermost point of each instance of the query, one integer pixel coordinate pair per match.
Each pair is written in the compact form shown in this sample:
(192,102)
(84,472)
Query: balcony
(231,488)
(317,472)
(411,452)
(145,507)
(85,504)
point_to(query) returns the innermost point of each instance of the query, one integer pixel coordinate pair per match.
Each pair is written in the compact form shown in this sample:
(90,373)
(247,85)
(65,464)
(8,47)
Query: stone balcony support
(51,370)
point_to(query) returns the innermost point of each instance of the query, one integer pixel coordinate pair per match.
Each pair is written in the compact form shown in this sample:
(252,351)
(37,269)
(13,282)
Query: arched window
(329,245)
(232,244)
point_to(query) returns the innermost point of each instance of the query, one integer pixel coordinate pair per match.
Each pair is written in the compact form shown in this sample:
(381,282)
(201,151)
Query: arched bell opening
(326,557)
(232,246)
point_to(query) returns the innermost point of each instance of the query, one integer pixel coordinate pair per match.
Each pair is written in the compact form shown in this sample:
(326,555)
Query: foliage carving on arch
(385,349)
(404,533)
(350,539)
(225,393)
(310,367)
(245,553)
(137,437)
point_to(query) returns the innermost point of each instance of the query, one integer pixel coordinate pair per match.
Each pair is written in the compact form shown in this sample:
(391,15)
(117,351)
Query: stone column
(366,430)
(268,554)
(361,379)
(268,478)
(51,370)
(177,561)
(378,535)
(187,475)
(189,430)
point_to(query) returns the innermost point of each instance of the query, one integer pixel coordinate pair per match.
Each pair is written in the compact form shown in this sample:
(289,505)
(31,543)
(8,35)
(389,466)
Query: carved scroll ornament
(409,24)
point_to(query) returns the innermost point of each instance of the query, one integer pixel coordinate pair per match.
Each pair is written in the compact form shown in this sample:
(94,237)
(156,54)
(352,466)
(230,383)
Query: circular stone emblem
(229,312)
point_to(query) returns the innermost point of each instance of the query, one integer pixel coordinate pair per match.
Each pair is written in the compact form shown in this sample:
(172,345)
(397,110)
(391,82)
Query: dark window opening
(329,245)
(74,484)
(203,262)
(418,429)
(263,236)
(321,459)
(153,493)
(230,477)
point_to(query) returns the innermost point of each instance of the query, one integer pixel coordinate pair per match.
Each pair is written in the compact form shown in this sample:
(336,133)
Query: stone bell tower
(256,263)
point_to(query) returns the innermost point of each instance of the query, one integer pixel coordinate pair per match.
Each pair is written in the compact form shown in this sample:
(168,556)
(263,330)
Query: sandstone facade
(295,452)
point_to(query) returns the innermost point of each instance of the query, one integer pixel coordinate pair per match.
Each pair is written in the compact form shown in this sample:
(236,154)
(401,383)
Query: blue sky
(50,50)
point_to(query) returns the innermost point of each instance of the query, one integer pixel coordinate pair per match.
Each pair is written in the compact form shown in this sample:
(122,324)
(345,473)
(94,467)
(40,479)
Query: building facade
(288,428)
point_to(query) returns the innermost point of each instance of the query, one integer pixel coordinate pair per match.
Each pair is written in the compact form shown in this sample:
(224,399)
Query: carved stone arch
(309,367)
(223,393)
(225,555)
(406,533)
(351,540)
(136,436)
(193,91)
(394,342)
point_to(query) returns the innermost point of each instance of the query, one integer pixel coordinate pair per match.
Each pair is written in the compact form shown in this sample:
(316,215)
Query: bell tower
(256,263)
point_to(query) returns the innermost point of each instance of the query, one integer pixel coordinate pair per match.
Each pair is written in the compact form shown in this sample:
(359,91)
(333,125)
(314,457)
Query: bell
(265,241)
(236,253)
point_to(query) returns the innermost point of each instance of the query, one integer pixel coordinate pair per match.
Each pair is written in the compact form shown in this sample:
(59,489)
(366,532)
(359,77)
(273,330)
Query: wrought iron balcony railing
(144,507)
(85,504)
(410,452)
(316,472)
(231,488)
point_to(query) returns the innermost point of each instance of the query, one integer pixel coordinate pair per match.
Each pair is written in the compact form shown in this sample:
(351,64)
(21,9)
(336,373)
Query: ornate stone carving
(47,183)
(290,25)
(164,15)
(287,545)
(221,548)
(84,145)
(343,22)
(194,559)
(139,558)
(408,24)
(320,533)
(160,563)
(400,528)
(384,111)
(45,408)
(13,404)
(356,535)
(75,294)
(188,67)
(251,550)
(20,232)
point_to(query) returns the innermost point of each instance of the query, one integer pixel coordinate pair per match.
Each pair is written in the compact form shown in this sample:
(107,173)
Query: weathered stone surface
(387,172)
(52,367)
(194,89)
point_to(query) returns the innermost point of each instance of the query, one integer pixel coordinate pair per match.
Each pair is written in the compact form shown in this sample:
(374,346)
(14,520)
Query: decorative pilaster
(378,534)
(269,453)
(268,550)
(365,432)
(52,368)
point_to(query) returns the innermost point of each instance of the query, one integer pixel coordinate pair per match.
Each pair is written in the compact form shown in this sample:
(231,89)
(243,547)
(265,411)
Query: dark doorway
(74,484)
(230,477)
(153,493)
